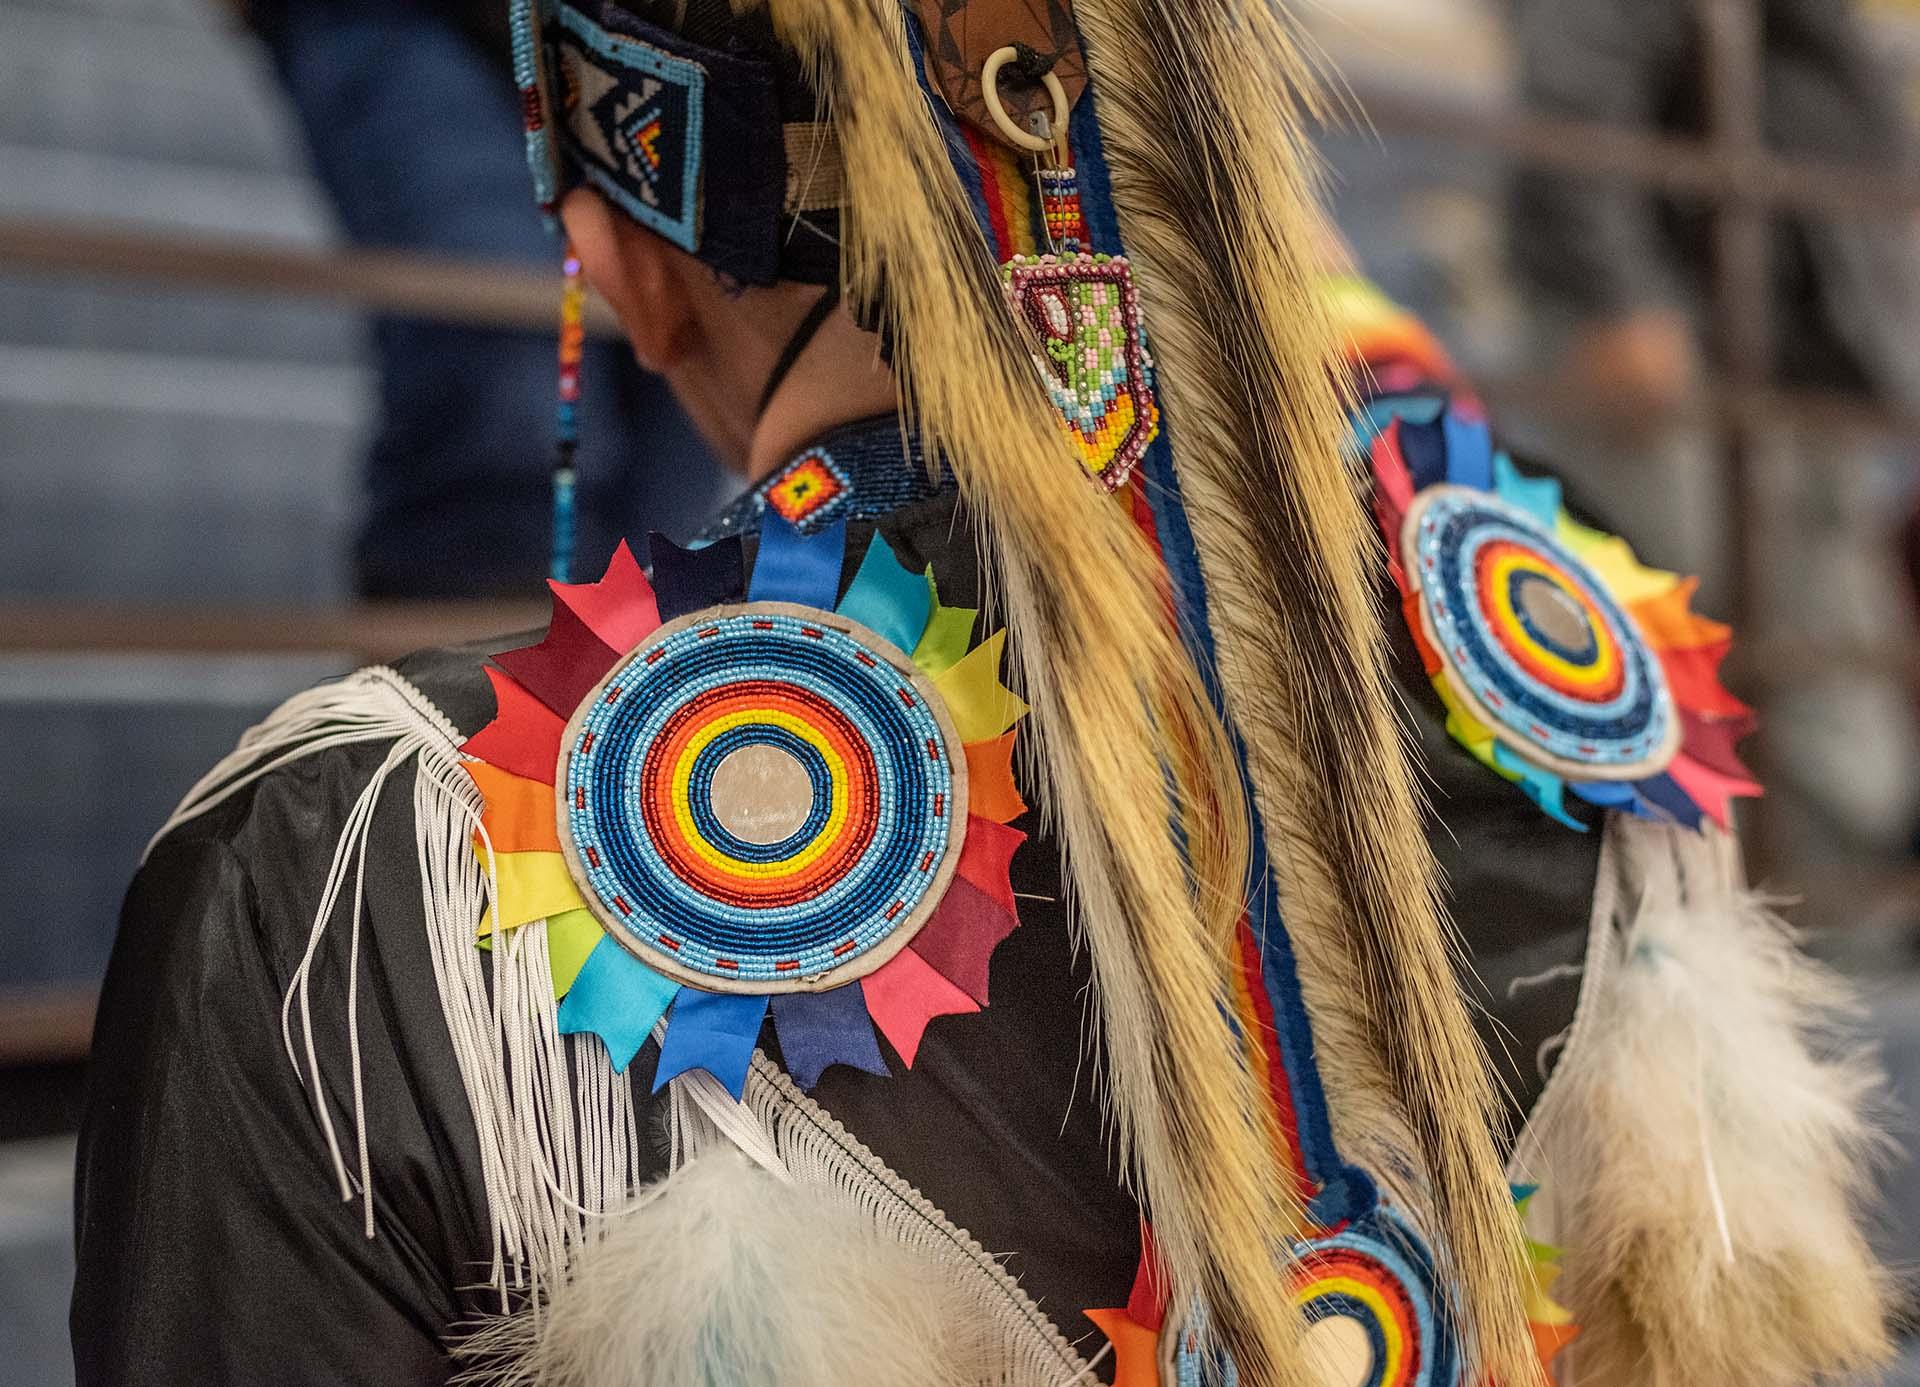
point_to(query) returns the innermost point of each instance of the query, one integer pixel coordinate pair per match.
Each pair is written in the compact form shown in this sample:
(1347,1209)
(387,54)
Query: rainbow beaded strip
(873,849)
(1066,221)
(1533,639)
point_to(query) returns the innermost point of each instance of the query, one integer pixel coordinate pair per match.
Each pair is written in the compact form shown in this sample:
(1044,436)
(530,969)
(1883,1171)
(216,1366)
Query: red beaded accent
(1060,204)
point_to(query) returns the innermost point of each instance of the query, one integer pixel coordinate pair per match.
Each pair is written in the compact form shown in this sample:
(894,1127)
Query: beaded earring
(573,336)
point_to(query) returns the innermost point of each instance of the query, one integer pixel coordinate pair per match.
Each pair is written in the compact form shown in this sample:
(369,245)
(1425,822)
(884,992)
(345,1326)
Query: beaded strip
(861,471)
(1060,209)
(566,423)
(529,77)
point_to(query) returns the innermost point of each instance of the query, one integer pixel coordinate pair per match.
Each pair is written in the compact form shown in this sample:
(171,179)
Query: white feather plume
(726,1275)
(1710,1145)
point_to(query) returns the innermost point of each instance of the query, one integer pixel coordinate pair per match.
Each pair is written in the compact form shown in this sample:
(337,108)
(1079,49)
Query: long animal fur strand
(1212,177)
(1122,715)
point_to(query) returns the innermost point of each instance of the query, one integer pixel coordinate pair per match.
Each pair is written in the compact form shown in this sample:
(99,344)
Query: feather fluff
(1708,1140)
(724,1274)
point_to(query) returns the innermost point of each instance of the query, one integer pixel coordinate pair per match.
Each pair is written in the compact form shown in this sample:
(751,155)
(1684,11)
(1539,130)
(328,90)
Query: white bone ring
(990,94)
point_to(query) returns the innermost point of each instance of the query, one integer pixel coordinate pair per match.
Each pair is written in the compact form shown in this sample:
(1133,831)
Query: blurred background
(276,388)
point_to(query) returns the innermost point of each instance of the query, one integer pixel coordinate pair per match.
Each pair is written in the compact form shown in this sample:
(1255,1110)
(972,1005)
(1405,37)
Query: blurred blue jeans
(415,133)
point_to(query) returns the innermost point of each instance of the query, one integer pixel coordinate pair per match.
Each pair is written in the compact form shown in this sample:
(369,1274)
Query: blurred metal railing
(477,293)
(369,631)
(1729,169)
(46,1025)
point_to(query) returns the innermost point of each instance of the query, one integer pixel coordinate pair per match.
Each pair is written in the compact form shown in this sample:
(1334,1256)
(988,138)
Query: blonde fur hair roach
(1201,104)
(1126,730)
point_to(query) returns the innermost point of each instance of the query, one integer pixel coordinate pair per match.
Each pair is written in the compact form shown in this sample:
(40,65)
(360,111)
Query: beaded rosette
(1353,1289)
(1565,664)
(721,807)
(1365,1291)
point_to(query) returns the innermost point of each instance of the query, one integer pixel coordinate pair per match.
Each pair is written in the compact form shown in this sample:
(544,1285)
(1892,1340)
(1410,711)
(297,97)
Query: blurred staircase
(219,435)
(154,446)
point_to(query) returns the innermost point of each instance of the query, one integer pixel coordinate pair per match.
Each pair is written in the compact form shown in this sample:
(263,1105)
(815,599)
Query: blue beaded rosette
(1565,664)
(722,799)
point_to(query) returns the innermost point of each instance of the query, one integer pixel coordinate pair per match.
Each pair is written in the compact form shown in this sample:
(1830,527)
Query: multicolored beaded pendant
(1083,313)
(721,807)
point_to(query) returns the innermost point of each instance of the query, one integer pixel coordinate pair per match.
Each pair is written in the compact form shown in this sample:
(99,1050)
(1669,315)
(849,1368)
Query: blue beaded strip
(523,19)
(880,472)
(1346,1191)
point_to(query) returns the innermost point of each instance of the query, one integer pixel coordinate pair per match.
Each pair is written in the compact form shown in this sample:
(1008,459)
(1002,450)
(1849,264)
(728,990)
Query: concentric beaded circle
(1382,1287)
(849,845)
(1531,639)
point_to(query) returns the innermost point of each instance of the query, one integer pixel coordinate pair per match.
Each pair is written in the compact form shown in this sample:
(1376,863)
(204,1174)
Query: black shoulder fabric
(1519,886)
(213,1246)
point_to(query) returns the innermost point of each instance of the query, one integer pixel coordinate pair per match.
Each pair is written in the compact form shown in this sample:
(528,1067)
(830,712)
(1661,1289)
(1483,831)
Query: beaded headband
(718,151)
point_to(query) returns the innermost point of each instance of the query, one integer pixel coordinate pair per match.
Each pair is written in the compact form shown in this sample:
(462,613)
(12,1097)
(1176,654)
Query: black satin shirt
(214,1247)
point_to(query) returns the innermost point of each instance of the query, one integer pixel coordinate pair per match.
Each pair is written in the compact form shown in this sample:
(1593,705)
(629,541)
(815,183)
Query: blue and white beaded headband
(719,152)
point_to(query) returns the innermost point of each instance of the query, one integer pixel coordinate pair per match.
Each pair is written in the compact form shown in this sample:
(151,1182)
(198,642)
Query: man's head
(721,345)
(686,152)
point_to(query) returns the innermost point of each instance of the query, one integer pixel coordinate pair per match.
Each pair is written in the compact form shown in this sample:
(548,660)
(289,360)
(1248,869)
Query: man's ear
(636,272)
